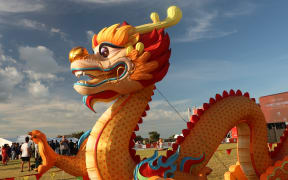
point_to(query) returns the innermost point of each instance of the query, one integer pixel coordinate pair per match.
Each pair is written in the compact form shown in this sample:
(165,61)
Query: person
(4,154)
(36,151)
(25,155)
(52,144)
(71,147)
(18,152)
(160,144)
(57,147)
(13,151)
(64,146)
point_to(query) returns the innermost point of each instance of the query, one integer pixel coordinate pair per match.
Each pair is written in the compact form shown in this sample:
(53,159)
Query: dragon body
(127,63)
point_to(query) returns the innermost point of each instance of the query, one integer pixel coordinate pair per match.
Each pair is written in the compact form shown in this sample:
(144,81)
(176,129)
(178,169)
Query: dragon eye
(104,51)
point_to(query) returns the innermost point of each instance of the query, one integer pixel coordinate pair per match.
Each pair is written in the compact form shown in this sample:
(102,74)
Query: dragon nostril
(77,52)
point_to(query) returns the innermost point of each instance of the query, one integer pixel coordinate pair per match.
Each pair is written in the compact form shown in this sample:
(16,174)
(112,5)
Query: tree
(171,138)
(154,136)
(138,138)
(75,135)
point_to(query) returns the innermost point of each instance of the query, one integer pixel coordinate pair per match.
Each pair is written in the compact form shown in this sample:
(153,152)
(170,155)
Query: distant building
(275,109)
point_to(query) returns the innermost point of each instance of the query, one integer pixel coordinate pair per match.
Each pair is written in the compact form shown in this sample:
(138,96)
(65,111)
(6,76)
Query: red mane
(157,44)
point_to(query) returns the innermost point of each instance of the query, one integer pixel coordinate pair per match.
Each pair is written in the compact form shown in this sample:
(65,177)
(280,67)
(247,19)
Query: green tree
(154,136)
(77,134)
(138,138)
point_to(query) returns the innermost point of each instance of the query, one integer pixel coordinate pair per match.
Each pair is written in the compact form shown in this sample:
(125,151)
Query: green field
(219,162)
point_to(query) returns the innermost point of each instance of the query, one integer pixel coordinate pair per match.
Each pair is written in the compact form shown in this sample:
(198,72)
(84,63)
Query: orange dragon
(126,64)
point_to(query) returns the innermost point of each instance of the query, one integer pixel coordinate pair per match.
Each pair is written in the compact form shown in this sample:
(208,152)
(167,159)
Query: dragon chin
(104,96)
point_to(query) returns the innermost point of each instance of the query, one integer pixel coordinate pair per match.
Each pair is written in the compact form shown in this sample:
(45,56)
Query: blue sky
(218,45)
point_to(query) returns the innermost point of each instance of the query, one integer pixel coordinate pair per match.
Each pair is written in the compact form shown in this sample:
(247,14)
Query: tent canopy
(5,141)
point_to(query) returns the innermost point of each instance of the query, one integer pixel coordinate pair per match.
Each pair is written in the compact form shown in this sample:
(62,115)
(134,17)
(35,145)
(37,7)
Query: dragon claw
(46,152)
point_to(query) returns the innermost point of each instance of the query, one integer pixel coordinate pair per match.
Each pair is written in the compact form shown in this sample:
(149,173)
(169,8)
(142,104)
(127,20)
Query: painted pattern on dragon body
(126,64)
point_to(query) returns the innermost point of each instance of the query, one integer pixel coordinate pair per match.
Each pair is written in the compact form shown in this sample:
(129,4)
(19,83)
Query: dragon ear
(94,41)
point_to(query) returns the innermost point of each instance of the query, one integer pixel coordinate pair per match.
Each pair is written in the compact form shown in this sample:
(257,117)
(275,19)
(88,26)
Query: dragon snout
(77,53)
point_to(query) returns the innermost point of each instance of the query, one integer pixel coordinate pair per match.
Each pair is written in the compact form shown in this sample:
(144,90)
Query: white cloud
(9,78)
(60,33)
(103,1)
(5,58)
(56,116)
(202,28)
(39,59)
(246,8)
(53,116)
(31,24)
(34,25)
(20,6)
(89,34)
(55,30)
(163,119)
(34,76)
(36,89)
(202,20)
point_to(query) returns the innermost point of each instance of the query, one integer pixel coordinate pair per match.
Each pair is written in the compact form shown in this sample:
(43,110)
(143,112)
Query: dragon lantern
(126,64)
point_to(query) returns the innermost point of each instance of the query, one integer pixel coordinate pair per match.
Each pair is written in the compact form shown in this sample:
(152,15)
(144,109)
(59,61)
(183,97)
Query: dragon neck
(117,124)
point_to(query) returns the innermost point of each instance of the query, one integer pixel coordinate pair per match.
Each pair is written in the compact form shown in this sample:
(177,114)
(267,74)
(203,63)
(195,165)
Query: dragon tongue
(90,100)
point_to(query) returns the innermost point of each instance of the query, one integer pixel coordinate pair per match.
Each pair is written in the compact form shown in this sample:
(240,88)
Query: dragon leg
(74,165)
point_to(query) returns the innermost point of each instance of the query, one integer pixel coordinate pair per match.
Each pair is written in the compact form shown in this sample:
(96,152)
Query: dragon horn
(174,14)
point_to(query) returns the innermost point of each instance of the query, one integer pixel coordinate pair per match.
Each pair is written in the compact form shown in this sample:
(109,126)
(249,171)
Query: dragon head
(126,59)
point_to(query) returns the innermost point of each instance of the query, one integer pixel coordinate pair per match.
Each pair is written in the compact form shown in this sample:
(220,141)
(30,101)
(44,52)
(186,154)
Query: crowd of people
(27,150)
(64,147)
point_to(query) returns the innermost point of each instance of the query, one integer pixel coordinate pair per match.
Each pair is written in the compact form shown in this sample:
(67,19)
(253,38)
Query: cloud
(245,8)
(163,119)
(39,59)
(10,77)
(103,1)
(62,34)
(55,115)
(36,89)
(28,23)
(202,28)
(203,20)
(52,116)
(20,6)
(34,76)
(89,34)
(34,25)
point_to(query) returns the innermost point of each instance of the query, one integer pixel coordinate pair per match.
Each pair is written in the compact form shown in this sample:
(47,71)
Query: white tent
(21,139)
(176,135)
(5,141)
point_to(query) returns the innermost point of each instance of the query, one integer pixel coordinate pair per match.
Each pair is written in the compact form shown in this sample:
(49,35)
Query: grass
(219,162)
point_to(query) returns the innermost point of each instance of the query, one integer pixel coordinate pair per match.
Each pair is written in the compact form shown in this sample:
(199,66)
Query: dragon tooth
(79,73)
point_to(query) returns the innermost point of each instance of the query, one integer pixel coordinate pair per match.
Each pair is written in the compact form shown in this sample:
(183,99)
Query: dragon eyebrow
(109,44)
